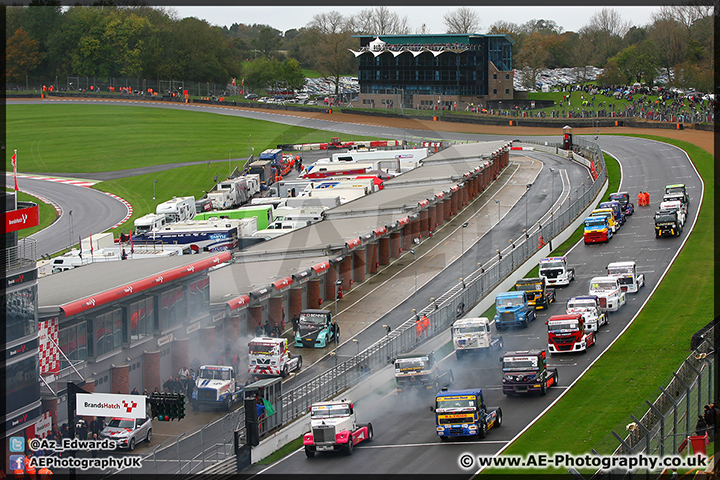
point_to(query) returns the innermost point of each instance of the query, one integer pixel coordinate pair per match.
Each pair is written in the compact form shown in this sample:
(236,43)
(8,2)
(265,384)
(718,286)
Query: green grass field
(645,355)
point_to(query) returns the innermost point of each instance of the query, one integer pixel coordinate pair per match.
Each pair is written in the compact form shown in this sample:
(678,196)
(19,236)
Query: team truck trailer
(472,335)
(463,413)
(568,333)
(178,209)
(334,428)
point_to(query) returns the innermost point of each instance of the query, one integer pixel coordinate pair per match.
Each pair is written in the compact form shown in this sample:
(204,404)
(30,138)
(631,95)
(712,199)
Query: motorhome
(178,209)
(149,222)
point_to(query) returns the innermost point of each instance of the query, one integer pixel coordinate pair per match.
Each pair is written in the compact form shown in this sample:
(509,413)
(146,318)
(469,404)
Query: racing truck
(216,386)
(678,188)
(624,199)
(268,356)
(617,209)
(608,291)
(596,230)
(539,296)
(333,428)
(667,222)
(608,213)
(555,271)
(463,413)
(677,206)
(526,371)
(420,371)
(472,335)
(512,309)
(315,328)
(589,307)
(630,280)
(568,333)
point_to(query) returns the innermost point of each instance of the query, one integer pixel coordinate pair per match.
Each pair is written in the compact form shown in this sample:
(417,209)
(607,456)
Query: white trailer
(221,200)
(178,209)
(238,190)
(252,180)
(344,194)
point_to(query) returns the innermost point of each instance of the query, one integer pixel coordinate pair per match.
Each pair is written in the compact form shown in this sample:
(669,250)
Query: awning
(283,283)
(403,221)
(117,293)
(353,243)
(424,203)
(238,302)
(321,267)
(380,231)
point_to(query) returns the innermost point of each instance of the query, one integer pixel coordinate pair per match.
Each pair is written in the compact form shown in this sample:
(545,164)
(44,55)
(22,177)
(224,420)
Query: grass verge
(46,213)
(641,360)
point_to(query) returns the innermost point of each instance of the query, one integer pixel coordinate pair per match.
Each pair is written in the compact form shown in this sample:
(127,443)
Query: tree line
(46,41)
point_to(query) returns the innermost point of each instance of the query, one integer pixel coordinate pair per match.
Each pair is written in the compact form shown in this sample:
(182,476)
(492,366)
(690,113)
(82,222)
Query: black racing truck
(420,371)
(539,296)
(526,371)
(667,223)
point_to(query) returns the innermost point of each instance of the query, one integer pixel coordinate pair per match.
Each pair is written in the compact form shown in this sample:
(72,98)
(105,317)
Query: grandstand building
(443,71)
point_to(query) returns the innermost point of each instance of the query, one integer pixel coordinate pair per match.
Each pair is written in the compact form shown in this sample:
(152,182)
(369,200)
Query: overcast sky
(284,18)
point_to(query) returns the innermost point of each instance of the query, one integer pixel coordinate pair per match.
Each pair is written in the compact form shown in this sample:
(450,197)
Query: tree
(532,58)
(268,42)
(22,56)
(605,31)
(379,21)
(462,20)
(329,37)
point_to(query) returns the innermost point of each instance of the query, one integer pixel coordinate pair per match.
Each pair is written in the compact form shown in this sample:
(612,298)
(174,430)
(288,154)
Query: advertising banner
(111,405)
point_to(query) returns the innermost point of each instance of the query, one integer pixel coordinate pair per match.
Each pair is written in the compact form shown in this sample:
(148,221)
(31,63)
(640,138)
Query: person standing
(295,324)
(700,426)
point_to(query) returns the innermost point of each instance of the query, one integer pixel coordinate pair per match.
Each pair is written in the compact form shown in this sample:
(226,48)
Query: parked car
(251,96)
(127,432)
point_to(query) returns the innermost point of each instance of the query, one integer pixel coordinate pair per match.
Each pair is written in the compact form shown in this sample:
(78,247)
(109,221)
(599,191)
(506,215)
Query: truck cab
(608,213)
(596,230)
(463,413)
(472,335)
(630,280)
(589,307)
(555,271)
(678,188)
(152,222)
(512,309)
(667,222)
(568,333)
(270,356)
(216,386)
(677,206)
(625,203)
(539,296)
(526,371)
(420,371)
(618,211)
(334,428)
(608,291)
(315,329)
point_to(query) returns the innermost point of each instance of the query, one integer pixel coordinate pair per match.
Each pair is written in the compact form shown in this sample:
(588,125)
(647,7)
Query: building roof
(434,37)
(105,280)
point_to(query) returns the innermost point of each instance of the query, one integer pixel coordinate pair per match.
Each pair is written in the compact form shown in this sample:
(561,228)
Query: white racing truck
(589,307)
(334,428)
(270,356)
(472,335)
(216,386)
(630,280)
(608,290)
(556,271)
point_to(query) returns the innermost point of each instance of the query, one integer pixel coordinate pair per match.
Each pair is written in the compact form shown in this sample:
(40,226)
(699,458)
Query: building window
(72,341)
(140,319)
(107,332)
(199,298)
(494,76)
(21,387)
(172,308)
(507,91)
(494,91)
(20,307)
(507,76)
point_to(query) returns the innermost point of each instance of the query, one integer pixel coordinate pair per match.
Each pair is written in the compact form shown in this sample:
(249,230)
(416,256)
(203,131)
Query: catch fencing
(662,425)
(441,313)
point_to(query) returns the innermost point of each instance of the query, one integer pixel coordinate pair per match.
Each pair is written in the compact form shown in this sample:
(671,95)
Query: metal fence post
(674,429)
(662,427)
(177,443)
(202,441)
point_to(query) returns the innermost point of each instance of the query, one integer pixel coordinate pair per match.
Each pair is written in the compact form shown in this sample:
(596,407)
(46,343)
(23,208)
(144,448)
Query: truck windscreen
(404,364)
(470,329)
(665,218)
(443,403)
(312,320)
(603,286)
(549,265)
(519,364)
(528,287)
(599,223)
(562,326)
(510,302)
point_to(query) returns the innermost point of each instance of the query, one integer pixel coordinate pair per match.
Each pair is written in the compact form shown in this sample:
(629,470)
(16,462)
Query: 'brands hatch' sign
(111,405)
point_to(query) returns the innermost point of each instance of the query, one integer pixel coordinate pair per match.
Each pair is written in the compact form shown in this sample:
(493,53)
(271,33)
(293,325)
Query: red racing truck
(568,333)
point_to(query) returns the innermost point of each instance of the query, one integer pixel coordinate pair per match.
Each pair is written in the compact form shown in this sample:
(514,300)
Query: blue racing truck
(512,309)
(316,329)
(463,413)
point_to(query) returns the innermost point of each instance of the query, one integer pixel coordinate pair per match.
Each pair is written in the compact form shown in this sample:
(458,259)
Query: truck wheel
(501,344)
(543,388)
(370,432)
(228,403)
(557,377)
(498,422)
(299,364)
(284,372)
(482,432)
(309,453)
(458,354)
(348,447)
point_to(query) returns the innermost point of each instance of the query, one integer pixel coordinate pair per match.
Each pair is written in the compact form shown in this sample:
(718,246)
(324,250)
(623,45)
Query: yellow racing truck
(539,296)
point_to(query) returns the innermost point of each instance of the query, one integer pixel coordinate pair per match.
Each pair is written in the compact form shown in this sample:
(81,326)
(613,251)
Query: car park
(127,432)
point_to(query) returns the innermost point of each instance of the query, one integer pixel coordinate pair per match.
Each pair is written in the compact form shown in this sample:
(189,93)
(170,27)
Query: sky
(570,18)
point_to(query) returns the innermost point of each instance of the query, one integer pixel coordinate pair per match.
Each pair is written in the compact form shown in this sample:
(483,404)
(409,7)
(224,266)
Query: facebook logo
(17,444)
(17,462)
